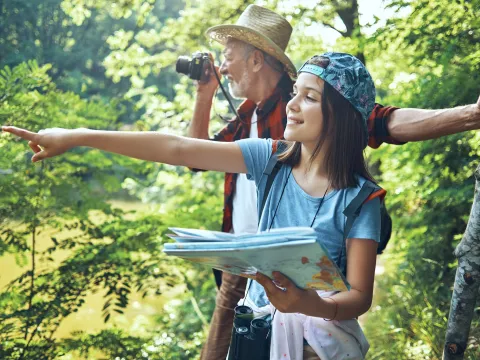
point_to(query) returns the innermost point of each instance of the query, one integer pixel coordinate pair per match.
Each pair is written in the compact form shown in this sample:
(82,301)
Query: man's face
(235,68)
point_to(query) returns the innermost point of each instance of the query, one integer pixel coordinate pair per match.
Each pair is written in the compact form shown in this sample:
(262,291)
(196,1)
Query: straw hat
(262,28)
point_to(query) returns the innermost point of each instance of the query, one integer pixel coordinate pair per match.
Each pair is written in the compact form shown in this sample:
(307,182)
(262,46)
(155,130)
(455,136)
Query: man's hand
(203,105)
(289,300)
(47,143)
(208,89)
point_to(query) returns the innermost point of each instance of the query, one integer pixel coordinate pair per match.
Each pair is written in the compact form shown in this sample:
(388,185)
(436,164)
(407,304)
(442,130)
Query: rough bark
(467,282)
(348,13)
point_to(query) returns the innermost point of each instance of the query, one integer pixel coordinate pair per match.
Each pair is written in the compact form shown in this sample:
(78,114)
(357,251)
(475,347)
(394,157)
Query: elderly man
(259,71)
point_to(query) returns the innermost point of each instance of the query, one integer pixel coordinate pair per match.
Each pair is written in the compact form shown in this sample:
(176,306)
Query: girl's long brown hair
(344,127)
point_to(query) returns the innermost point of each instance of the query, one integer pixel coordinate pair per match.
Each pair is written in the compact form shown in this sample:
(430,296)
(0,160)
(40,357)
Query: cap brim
(222,33)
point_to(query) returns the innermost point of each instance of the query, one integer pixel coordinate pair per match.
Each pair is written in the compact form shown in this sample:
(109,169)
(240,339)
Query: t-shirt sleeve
(367,224)
(256,153)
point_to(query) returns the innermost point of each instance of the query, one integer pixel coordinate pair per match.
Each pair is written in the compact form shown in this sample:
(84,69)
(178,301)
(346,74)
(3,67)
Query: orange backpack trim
(379,193)
(274,146)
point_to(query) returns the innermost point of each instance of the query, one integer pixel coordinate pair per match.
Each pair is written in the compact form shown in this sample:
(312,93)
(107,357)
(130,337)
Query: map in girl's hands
(293,251)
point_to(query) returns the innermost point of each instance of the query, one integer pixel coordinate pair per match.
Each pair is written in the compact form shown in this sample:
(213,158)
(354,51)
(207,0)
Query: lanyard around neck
(281,196)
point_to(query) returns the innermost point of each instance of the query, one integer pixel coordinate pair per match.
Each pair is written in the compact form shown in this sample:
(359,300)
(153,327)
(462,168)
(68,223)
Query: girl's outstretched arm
(150,146)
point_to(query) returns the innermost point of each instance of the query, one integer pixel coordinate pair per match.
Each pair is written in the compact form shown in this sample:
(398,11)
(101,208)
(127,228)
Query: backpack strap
(271,170)
(367,192)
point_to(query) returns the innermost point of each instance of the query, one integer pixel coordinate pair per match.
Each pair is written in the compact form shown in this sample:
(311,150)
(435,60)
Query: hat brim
(221,33)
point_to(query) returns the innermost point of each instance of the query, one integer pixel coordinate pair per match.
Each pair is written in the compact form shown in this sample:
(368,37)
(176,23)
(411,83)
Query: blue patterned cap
(350,78)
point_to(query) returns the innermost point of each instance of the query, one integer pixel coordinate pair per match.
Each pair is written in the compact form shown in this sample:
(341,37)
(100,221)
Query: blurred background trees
(82,273)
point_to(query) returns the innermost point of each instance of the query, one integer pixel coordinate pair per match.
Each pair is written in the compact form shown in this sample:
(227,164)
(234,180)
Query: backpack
(351,212)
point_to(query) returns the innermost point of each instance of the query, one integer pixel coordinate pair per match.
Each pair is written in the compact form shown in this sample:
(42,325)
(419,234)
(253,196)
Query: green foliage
(112,64)
(108,251)
(430,199)
(430,183)
(80,10)
(78,45)
(29,99)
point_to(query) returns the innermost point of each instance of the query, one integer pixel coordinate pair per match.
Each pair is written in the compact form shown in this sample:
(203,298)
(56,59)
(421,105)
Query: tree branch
(343,33)
(34,240)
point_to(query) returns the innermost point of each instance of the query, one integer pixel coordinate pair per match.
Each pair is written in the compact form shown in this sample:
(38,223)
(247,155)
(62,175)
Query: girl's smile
(293,121)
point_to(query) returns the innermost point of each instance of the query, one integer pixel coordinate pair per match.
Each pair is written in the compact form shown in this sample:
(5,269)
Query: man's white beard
(239,90)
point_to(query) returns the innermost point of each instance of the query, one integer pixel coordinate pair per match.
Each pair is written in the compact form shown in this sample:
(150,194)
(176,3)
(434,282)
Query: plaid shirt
(271,122)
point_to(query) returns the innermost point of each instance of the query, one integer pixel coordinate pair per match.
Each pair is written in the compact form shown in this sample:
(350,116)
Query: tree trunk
(348,12)
(467,281)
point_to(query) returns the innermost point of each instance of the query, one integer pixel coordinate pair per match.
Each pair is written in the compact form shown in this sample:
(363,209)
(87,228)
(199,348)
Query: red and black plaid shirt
(271,122)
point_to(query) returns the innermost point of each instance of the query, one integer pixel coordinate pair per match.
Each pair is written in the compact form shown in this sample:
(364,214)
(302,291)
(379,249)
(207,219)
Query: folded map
(295,252)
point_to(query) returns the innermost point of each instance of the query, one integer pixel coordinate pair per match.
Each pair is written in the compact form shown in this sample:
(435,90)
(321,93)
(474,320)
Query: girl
(323,171)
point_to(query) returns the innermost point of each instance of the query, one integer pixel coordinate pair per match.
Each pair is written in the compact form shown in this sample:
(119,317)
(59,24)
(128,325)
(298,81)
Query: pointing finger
(24,134)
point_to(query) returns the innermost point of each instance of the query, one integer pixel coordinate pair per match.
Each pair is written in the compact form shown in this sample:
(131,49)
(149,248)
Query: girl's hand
(290,300)
(47,143)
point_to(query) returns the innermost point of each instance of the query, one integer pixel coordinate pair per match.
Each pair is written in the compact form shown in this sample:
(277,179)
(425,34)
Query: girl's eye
(307,98)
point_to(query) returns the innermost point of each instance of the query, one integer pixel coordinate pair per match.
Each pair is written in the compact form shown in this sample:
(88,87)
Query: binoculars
(250,337)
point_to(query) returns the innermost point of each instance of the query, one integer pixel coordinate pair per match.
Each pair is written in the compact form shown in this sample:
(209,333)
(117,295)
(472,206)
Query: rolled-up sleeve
(378,126)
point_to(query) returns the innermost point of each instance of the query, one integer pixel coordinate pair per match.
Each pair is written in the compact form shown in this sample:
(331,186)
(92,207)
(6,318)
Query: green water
(137,317)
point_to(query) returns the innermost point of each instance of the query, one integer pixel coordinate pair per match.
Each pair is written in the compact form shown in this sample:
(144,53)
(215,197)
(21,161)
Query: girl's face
(304,111)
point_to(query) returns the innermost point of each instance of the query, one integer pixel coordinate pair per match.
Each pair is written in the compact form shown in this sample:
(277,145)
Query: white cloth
(331,340)
(244,213)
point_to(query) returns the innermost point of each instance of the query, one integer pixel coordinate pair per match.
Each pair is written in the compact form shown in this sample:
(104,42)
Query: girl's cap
(349,77)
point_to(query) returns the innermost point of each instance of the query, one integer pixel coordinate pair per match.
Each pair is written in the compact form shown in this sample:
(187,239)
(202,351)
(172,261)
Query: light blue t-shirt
(297,208)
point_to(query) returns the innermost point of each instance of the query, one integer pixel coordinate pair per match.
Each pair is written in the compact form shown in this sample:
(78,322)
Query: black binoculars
(250,337)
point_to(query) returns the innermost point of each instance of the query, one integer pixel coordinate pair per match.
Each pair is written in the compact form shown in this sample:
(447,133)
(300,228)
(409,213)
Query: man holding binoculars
(259,71)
